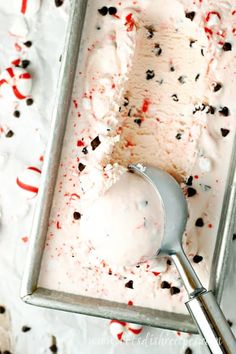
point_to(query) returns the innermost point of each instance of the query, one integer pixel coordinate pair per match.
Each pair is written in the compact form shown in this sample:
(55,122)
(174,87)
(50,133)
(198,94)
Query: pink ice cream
(154,85)
(156,122)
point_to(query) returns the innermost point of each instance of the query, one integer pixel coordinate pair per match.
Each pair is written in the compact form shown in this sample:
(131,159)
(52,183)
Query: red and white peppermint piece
(24,7)
(15,83)
(124,331)
(213,18)
(29,180)
(29,7)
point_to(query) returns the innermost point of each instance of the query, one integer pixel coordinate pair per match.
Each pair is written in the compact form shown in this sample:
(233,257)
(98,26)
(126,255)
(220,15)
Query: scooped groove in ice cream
(125,225)
(156,123)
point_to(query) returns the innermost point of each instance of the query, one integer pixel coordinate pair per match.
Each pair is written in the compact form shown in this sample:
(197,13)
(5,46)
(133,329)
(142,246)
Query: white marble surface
(74,333)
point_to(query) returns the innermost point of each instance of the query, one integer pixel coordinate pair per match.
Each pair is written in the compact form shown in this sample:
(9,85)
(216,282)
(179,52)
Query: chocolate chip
(197,258)
(211,110)
(178,136)
(157,50)
(29,101)
(98,28)
(150,74)
(230,323)
(227,46)
(196,109)
(150,32)
(112,10)
(234,238)
(189,181)
(81,167)
(16,114)
(168,262)
(165,285)
(129,113)
(129,284)
(197,77)
(126,101)
(202,52)
(25,329)
(224,111)
(190,15)
(28,44)
(224,132)
(172,68)
(174,290)
(192,41)
(202,107)
(199,222)
(6,352)
(175,98)
(181,79)
(53,348)
(76,215)
(103,11)
(9,134)
(85,150)
(188,351)
(25,63)
(95,143)
(2,310)
(217,87)
(138,121)
(191,192)
(58,3)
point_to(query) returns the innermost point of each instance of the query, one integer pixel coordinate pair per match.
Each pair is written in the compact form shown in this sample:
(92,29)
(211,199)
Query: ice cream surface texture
(154,84)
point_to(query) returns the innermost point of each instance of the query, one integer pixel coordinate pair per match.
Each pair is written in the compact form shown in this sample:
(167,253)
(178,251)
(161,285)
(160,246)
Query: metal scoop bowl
(202,304)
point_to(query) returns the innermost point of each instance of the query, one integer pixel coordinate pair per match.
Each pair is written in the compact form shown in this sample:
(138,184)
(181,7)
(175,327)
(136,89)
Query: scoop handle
(211,323)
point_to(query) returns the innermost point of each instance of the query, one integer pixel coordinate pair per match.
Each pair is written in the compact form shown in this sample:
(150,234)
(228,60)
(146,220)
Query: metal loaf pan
(30,292)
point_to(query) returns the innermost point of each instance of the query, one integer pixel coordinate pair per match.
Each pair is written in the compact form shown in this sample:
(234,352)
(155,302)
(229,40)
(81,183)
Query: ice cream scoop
(202,304)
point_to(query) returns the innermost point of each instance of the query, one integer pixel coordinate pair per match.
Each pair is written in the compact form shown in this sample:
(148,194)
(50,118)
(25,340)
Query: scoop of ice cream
(126,224)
